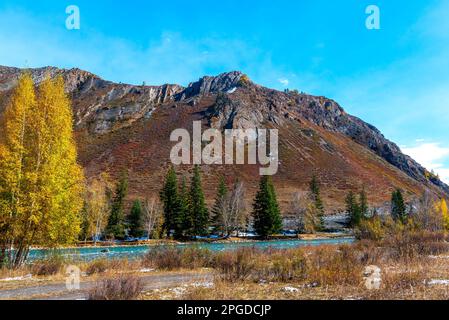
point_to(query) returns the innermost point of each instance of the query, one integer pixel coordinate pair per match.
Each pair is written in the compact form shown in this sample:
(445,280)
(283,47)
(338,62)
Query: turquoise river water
(131,252)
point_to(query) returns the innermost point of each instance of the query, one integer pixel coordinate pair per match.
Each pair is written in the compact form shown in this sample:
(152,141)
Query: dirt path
(60,292)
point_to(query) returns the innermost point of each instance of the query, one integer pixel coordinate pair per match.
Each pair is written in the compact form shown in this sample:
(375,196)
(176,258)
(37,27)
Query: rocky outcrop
(101,107)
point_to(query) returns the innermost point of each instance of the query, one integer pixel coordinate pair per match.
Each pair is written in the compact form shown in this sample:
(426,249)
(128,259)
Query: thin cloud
(432,156)
(285,82)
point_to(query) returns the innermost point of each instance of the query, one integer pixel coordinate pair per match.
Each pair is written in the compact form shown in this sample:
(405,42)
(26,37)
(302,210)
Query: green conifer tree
(363,204)
(353,209)
(315,197)
(84,233)
(170,199)
(198,209)
(135,219)
(184,220)
(398,209)
(266,213)
(116,222)
(217,212)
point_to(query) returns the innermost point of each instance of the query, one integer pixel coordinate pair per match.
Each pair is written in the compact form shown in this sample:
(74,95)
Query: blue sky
(396,78)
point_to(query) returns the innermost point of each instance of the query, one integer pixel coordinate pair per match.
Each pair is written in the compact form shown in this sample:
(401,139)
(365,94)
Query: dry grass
(172,258)
(408,262)
(122,288)
(48,267)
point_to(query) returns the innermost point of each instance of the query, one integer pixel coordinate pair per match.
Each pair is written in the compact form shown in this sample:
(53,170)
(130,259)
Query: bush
(48,267)
(371,229)
(97,266)
(409,245)
(193,258)
(123,288)
(331,266)
(164,258)
(286,266)
(174,258)
(237,265)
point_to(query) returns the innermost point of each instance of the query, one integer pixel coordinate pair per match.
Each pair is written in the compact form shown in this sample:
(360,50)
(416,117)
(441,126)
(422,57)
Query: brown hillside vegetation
(123,127)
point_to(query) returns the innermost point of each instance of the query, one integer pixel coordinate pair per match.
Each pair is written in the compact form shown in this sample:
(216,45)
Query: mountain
(127,127)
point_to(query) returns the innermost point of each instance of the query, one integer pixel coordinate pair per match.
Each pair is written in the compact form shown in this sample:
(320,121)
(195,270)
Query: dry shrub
(410,245)
(193,258)
(48,267)
(335,266)
(256,265)
(175,258)
(236,265)
(404,280)
(283,266)
(122,288)
(97,266)
(164,258)
(371,229)
(369,252)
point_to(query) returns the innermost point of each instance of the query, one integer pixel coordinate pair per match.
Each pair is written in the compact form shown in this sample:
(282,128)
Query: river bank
(414,269)
(90,253)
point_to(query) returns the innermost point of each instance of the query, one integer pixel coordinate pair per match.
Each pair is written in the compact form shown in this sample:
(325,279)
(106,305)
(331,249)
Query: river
(131,252)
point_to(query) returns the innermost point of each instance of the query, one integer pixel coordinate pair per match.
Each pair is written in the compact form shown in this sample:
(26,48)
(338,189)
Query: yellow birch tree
(41,182)
(14,138)
(445,213)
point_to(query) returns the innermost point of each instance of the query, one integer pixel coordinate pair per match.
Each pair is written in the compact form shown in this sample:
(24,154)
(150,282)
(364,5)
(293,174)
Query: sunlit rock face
(122,126)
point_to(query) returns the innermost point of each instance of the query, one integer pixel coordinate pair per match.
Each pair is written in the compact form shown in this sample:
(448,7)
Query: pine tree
(84,233)
(398,209)
(116,222)
(198,209)
(315,197)
(353,208)
(136,228)
(217,212)
(170,200)
(266,213)
(363,204)
(184,221)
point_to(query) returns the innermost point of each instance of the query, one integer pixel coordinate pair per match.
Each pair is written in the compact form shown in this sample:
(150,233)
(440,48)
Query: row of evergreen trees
(185,211)
(185,214)
(358,209)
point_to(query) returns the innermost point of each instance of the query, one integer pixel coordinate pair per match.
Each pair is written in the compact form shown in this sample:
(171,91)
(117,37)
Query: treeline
(104,215)
(428,213)
(181,211)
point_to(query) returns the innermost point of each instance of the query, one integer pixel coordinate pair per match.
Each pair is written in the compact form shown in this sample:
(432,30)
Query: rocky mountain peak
(222,83)
(230,100)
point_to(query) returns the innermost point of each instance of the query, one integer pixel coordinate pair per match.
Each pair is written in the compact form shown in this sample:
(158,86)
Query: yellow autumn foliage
(41,183)
(445,213)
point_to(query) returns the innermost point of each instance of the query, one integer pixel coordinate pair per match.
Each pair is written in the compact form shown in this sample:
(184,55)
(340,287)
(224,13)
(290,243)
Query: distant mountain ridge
(118,123)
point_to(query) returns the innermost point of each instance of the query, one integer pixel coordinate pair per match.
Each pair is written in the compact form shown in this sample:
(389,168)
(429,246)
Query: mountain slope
(126,127)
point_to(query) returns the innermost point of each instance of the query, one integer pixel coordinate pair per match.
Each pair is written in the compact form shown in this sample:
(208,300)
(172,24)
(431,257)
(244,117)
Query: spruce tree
(84,233)
(315,197)
(217,212)
(363,204)
(198,209)
(184,221)
(266,213)
(135,219)
(353,209)
(170,199)
(116,222)
(398,209)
